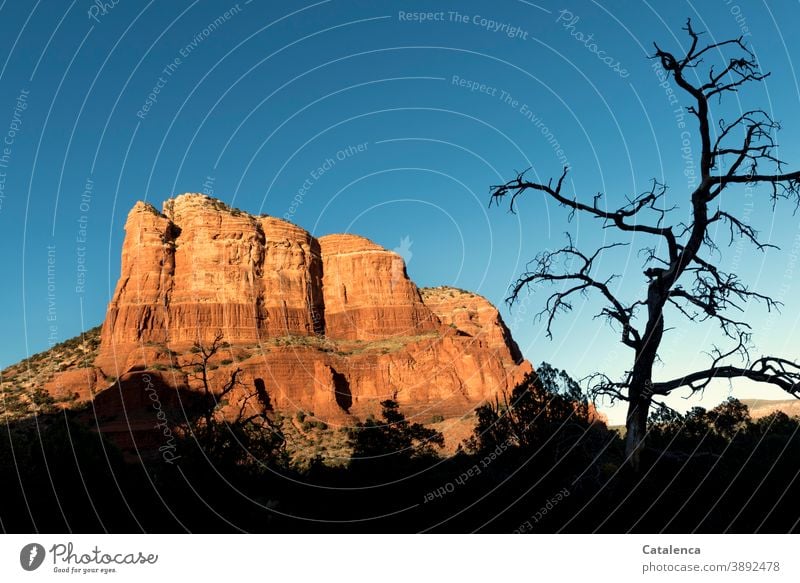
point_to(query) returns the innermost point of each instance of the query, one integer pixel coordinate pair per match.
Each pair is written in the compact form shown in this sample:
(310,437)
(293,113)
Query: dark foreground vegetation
(537,462)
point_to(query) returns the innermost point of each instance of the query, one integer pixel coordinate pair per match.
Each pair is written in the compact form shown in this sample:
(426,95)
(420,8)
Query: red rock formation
(331,325)
(202,267)
(473,315)
(78,384)
(138,313)
(367,293)
(291,300)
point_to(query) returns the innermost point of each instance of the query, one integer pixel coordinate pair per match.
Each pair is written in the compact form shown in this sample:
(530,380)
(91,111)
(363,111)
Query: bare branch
(600,385)
(581,276)
(739,229)
(645,201)
(712,294)
(743,151)
(771,370)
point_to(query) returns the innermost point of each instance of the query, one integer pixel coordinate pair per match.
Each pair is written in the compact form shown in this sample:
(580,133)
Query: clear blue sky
(251,106)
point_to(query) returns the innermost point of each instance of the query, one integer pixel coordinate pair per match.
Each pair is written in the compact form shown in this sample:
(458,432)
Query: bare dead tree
(199,368)
(253,408)
(679,269)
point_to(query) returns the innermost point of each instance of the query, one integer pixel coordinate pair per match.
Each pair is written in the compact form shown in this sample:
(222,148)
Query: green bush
(42,398)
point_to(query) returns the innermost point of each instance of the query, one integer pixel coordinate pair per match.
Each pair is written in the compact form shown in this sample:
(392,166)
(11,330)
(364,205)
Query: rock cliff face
(367,293)
(201,267)
(332,325)
(472,315)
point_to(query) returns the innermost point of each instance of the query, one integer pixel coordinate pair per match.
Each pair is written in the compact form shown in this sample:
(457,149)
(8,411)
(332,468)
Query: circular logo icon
(31,556)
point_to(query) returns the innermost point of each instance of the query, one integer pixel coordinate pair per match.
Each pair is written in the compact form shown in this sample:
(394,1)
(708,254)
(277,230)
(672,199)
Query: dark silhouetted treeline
(539,461)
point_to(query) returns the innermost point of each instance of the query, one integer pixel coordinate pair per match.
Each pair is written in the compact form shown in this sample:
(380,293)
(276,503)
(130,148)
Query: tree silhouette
(700,431)
(246,433)
(393,439)
(544,406)
(680,268)
(729,417)
(199,368)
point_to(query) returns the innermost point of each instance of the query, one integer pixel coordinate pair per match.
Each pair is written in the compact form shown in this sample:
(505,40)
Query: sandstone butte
(331,325)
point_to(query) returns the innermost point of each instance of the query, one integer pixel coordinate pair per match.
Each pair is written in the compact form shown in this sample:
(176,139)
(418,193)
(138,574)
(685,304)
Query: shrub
(42,398)
(393,439)
(535,410)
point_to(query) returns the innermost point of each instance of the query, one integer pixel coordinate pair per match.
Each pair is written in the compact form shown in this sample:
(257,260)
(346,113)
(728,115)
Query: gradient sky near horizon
(394,128)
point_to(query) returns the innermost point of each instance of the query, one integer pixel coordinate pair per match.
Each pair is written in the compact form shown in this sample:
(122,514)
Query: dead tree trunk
(681,274)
